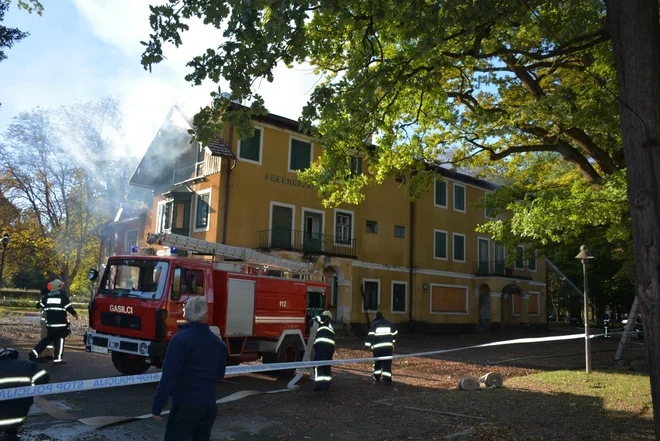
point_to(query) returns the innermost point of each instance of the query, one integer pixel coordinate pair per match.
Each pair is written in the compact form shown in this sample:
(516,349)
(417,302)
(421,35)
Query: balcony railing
(499,268)
(306,242)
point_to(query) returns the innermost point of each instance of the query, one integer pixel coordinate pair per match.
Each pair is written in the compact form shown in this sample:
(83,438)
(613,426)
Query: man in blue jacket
(196,359)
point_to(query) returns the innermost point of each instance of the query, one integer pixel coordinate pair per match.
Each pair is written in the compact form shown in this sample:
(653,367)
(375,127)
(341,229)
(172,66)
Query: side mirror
(93,274)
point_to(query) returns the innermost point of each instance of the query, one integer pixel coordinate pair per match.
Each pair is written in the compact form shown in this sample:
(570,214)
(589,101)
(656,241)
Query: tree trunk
(635,35)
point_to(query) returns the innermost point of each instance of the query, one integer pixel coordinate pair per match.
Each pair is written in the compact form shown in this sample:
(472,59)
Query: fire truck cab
(140,303)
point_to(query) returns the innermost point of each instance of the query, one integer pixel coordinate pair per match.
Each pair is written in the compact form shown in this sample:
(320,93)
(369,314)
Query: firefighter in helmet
(56,305)
(324,349)
(16,373)
(381,339)
(48,352)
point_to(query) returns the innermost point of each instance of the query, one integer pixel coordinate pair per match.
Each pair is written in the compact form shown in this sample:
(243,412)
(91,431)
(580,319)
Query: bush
(16,293)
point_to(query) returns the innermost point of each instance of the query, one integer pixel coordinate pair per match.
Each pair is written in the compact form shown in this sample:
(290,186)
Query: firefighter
(324,349)
(381,339)
(56,305)
(48,352)
(16,373)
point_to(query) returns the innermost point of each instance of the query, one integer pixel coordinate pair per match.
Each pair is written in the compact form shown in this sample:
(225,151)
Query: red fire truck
(261,307)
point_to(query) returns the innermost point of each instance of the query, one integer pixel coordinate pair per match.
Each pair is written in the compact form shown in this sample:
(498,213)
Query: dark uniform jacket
(325,332)
(56,304)
(382,335)
(18,373)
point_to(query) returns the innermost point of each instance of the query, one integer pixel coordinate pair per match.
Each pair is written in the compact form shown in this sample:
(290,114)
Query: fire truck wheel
(129,364)
(290,351)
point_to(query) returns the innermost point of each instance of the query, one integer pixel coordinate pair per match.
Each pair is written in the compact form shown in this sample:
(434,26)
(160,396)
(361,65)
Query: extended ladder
(230,252)
(627,330)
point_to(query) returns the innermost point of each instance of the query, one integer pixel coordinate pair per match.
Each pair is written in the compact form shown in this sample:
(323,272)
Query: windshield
(135,278)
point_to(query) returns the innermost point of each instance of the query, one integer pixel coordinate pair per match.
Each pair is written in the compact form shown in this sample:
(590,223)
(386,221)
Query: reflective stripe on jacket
(18,373)
(382,334)
(56,305)
(325,332)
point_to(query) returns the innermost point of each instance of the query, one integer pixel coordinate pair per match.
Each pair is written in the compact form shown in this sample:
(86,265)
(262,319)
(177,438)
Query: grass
(19,311)
(618,391)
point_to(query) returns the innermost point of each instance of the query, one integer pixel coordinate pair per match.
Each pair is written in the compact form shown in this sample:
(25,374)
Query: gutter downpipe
(227,184)
(412,265)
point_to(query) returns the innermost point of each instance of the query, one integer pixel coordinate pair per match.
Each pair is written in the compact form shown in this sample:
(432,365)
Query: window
(399,231)
(131,240)
(187,281)
(520,259)
(356,166)
(371,294)
(401,179)
(440,244)
(399,304)
(459,247)
(202,210)
(164,216)
(343,227)
(440,193)
(144,279)
(459,197)
(335,292)
(531,263)
(249,150)
(372,227)
(300,155)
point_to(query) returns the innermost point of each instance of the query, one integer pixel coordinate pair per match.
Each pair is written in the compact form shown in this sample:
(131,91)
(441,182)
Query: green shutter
(440,245)
(532,264)
(441,193)
(459,197)
(251,147)
(459,248)
(300,155)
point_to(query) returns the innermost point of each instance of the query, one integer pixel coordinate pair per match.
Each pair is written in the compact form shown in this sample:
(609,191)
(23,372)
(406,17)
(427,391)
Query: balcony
(306,242)
(498,268)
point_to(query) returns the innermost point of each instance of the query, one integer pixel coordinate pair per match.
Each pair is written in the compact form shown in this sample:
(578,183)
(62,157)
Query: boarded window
(449,299)
(250,148)
(441,193)
(398,297)
(301,155)
(371,295)
(440,245)
(534,303)
(515,302)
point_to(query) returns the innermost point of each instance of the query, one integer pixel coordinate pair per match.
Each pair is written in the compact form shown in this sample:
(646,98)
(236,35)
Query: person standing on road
(324,349)
(56,305)
(16,373)
(196,359)
(381,339)
(48,352)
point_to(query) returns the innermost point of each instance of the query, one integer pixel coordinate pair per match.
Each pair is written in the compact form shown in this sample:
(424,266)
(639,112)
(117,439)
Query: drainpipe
(227,184)
(412,265)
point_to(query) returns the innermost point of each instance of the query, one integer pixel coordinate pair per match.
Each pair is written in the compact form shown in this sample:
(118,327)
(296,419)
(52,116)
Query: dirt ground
(423,404)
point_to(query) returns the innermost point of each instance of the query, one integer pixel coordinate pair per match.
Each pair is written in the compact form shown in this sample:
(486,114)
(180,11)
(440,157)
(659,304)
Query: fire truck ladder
(246,255)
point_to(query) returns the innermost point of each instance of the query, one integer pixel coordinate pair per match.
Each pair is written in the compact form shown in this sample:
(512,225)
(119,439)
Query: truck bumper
(102,343)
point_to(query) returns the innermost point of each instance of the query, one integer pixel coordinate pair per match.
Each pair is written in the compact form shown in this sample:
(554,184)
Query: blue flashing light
(134,249)
(173,250)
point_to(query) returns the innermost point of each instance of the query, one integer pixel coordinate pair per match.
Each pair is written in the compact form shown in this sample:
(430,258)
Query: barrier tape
(131,380)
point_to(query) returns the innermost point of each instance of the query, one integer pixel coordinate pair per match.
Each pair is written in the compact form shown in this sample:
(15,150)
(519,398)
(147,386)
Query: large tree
(522,87)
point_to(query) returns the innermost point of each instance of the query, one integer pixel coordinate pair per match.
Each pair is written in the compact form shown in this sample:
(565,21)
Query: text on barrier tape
(130,380)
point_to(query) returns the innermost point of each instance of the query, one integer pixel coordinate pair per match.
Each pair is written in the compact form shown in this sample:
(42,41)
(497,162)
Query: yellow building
(420,263)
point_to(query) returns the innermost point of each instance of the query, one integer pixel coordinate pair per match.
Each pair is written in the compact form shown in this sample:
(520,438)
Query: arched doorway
(484,306)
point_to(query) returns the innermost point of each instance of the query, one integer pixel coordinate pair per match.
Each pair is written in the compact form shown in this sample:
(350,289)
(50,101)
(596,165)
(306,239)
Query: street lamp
(5,241)
(584,256)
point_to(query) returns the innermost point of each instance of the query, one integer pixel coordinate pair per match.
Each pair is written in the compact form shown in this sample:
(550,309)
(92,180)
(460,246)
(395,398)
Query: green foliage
(8,36)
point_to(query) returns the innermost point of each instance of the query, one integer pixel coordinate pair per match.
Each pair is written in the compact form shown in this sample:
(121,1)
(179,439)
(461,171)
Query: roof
(467,179)
(219,148)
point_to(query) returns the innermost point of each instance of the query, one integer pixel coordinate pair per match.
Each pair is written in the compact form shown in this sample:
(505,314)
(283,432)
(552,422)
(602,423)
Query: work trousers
(191,423)
(9,433)
(44,334)
(383,368)
(55,336)
(323,374)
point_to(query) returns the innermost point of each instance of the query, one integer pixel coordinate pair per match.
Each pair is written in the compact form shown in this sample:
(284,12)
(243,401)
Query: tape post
(131,380)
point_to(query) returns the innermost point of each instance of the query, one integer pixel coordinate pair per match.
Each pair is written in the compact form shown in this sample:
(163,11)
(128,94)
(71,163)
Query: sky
(86,49)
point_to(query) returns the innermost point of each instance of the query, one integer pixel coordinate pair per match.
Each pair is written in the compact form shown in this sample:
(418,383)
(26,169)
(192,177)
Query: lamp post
(584,256)
(5,241)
